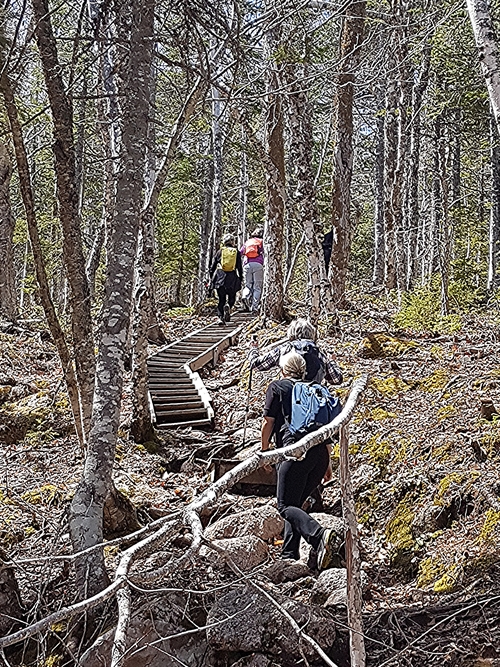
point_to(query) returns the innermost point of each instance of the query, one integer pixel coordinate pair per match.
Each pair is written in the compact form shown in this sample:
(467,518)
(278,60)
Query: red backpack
(253,247)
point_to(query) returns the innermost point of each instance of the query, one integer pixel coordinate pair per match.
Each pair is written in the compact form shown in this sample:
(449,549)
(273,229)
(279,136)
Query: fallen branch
(190,515)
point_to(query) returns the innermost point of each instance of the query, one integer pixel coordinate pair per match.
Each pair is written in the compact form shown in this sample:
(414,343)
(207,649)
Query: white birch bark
(134,25)
(487,46)
(8,301)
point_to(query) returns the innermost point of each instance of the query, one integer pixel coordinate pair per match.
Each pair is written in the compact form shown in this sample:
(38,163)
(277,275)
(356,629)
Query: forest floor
(425,447)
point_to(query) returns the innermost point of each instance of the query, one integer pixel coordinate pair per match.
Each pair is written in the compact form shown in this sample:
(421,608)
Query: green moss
(390,386)
(433,572)
(378,450)
(490,524)
(379,414)
(399,532)
(4,500)
(464,480)
(42,495)
(380,345)
(446,411)
(447,583)
(436,381)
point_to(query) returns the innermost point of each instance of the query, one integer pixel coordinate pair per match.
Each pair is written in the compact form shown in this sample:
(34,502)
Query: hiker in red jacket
(227,273)
(252,252)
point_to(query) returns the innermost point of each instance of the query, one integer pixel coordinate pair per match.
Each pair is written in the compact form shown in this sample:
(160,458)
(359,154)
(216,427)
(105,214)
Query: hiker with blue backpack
(292,409)
(227,273)
(301,336)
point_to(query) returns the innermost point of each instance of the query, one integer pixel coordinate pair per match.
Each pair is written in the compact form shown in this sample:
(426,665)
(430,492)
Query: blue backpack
(312,407)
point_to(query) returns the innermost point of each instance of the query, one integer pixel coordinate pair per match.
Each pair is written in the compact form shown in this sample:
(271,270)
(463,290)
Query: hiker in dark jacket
(297,478)
(301,334)
(227,273)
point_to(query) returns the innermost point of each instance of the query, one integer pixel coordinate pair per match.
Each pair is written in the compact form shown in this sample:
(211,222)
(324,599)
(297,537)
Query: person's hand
(267,467)
(328,476)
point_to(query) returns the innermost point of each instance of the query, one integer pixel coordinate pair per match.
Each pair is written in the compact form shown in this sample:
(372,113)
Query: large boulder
(284,570)
(246,552)
(264,522)
(245,620)
(328,582)
(145,648)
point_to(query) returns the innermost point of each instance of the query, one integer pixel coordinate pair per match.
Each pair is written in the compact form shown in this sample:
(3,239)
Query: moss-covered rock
(37,413)
(381,345)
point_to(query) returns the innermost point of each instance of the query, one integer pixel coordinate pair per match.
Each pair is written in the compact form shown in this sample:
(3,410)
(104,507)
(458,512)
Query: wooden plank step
(176,406)
(179,415)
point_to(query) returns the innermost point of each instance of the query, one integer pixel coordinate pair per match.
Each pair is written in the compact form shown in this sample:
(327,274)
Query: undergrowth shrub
(421,310)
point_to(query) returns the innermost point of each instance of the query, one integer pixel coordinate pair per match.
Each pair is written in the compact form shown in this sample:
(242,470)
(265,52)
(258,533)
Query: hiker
(227,273)
(301,336)
(327,245)
(297,478)
(252,252)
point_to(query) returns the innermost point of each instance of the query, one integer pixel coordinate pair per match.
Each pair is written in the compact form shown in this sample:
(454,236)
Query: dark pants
(223,293)
(296,480)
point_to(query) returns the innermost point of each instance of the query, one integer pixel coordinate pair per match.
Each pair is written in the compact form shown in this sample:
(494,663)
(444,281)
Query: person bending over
(296,479)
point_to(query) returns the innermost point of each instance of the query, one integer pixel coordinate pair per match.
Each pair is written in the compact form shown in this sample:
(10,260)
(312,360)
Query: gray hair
(301,329)
(228,239)
(293,365)
(257,233)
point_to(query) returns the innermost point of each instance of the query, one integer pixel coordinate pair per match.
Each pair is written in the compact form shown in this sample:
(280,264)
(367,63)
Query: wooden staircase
(177,394)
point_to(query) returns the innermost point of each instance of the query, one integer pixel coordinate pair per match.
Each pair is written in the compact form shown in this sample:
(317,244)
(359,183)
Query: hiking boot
(221,322)
(328,549)
(227,313)
(246,303)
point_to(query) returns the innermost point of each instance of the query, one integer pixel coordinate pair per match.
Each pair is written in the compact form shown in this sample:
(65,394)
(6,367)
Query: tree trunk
(8,301)
(301,147)
(390,166)
(36,248)
(141,428)
(413,204)
(487,44)
(204,233)
(378,256)
(134,28)
(67,194)
(273,297)
(350,54)
(494,239)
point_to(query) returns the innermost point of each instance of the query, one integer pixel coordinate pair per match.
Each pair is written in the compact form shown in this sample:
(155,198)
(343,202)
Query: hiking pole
(247,407)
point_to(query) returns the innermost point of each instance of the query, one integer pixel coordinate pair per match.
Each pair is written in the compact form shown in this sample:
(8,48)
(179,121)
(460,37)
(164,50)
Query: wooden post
(354,590)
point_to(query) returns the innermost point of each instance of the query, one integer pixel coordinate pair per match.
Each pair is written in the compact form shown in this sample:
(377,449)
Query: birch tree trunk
(134,26)
(349,57)
(494,236)
(301,147)
(68,198)
(141,427)
(8,301)
(273,296)
(486,40)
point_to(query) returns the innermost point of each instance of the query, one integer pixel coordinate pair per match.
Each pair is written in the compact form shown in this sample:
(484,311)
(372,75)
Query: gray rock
(252,623)
(286,570)
(148,625)
(337,599)
(328,582)
(264,522)
(246,552)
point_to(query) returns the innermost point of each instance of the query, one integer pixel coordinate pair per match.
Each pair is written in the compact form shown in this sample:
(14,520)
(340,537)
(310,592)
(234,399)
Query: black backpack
(315,369)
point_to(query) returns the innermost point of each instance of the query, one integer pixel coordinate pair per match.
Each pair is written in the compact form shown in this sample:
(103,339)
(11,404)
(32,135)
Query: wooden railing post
(354,587)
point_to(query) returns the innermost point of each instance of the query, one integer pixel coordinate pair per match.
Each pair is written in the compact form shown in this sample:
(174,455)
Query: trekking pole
(247,407)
